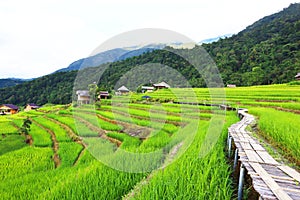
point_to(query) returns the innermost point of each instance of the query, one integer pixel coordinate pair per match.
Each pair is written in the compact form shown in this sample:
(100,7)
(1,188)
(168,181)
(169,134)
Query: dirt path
(15,125)
(138,187)
(165,112)
(79,156)
(102,133)
(276,107)
(72,135)
(130,129)
(28,138)
(55,145)
(147,118)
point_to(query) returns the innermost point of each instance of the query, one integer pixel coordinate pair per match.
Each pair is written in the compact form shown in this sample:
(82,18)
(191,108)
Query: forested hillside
(7,82)
(54,88)
(266,52)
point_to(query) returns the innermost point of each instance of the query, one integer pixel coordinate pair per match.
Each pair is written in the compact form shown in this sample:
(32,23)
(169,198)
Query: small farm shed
(147,89)
(8,109)
(123,90)
(31,106)
(297,77)
(231,85)
(161,85)
(103,95)
(83,97)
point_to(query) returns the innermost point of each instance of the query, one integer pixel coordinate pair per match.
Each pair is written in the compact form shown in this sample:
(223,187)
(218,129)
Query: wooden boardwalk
(270,179)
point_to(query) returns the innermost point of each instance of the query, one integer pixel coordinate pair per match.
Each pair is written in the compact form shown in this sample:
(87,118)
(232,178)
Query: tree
(258,76)
(26,126)
(93,91)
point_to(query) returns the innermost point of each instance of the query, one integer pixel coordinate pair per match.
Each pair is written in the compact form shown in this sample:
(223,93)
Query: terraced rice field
(141,149)
(63,160)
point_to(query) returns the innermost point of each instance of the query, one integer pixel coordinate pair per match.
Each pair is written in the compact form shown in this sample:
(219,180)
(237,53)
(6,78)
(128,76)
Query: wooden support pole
(235,158)
(229,146)
(228,135)
(241,182)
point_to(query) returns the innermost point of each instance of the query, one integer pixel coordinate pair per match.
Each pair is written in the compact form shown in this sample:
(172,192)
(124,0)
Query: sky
(40,37)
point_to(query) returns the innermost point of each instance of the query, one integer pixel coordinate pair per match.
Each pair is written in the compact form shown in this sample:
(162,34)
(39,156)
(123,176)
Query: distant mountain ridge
(8,82)
(117,54)
(215,39)
(112,55)
(92,61)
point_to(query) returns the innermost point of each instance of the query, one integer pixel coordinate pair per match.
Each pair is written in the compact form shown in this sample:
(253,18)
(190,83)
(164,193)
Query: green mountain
(266,52)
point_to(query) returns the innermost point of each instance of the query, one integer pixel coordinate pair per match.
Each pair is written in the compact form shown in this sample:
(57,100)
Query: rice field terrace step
(270,179)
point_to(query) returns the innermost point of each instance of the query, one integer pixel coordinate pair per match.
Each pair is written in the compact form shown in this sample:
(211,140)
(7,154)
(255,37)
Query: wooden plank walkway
(270,179)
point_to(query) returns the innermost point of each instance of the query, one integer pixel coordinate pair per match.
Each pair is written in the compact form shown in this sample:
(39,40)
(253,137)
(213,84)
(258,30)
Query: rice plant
(280,128)
(60,133)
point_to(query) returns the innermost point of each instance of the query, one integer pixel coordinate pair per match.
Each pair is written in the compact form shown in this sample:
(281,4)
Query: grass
(67,120)
(235,96)
(281,128)
(40,136)
(77,127)
(26,160)
(93,119)
(193,177)
(128,143)
(52,108)
(68,153)
(157,140)
(165,126)
(11,143)
(7,128)
(199,170)
(60,133)
(39,178)
(146,114)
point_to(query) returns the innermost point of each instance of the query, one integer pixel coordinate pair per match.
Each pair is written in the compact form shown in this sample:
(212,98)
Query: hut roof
(147,87)
(231,85)
(123,89)
(33,105)
(83,93)
(11,106)
(104,93)
(162,84)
